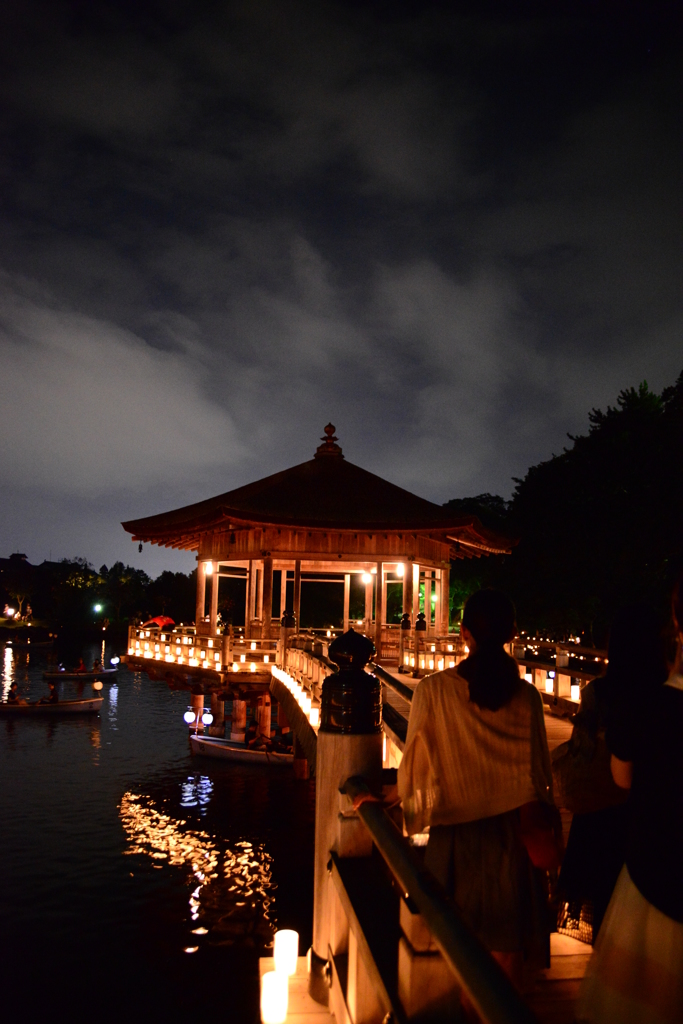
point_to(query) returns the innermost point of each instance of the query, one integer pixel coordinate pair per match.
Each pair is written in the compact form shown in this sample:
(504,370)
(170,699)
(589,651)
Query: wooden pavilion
(322,517)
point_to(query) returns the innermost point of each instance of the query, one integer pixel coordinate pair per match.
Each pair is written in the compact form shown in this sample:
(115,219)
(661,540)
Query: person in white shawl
(476,751)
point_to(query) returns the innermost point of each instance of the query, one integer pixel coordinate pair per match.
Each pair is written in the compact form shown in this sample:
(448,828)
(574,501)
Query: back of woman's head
(635,651)
(492,675)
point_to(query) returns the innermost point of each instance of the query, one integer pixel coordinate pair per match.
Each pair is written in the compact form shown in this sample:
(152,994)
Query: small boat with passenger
(107,674)
(234,750)
(18,709)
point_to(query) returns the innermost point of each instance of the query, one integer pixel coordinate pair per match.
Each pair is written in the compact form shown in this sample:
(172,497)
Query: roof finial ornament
(329,446)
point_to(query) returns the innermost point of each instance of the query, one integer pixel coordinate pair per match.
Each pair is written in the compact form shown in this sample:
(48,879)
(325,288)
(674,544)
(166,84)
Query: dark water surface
(116,846)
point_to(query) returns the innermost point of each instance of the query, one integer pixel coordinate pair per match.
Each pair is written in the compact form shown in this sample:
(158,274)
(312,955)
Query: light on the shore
(208,568)
(549,685)
(575,691)
(286,950)
(97,608)
(314,717)
(366,578)
(400,569)
(274,997)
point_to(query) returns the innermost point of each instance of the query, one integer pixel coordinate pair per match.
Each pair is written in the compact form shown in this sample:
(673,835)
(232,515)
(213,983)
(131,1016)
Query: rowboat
(230,750)
(27,645)
(85,677)
(58,707)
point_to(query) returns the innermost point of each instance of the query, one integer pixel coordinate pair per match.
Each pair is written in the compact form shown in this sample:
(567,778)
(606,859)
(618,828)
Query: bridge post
(349,743)
(217,727)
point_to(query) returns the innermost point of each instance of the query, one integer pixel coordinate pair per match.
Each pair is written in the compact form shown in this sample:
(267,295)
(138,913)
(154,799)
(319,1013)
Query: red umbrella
(160,621)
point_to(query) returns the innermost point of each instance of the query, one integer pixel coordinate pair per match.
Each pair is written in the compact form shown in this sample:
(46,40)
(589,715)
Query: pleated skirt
(484,866)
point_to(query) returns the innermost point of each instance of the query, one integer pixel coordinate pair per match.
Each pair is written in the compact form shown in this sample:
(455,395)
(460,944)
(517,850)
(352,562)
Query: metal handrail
(488,987)
(394,684)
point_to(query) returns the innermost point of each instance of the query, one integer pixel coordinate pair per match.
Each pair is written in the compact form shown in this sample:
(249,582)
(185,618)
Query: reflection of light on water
(196,792)
(232,883)
(112,705)
(7,672)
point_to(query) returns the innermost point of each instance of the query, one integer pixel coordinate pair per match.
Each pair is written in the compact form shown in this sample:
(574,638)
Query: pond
(138,882)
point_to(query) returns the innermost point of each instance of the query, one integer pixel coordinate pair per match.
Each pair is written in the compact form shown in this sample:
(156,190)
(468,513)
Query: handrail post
(349,742)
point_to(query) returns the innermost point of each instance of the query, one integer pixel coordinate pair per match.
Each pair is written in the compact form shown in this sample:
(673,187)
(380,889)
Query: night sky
(451,229)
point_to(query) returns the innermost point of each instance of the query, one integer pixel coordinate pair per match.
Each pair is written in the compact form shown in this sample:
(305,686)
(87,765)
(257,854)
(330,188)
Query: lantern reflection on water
(232,886)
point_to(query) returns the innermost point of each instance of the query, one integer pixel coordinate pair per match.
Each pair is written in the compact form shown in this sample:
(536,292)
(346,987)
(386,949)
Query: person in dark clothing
(596,846)
(636,973)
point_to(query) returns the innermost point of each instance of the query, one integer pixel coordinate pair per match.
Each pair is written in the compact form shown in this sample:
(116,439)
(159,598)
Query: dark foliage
(600,525)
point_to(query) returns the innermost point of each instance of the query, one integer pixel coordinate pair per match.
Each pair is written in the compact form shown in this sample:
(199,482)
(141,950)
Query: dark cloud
(450,229)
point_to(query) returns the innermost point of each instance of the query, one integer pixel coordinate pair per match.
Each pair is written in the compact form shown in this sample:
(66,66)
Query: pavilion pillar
(368,605)
(213,616)
(248,600)
(201,595)
(267,595)
(408,589)
(258,610)
(283,591)
(347,600)
(416,611)
(297,593)
(445,601)
(380,612)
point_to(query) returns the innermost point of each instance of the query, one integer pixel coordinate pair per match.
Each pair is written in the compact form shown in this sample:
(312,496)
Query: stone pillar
(198,708)
(349,743)
(380,613)
(213,619)
(347,600)
(217,727)
(297,594)
(239,720)
(201,595)
(445,601)
(248,600)
(267,595)
(264,715)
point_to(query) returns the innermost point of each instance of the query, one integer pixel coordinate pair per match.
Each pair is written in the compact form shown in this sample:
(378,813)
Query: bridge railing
(218,653)
(416,964)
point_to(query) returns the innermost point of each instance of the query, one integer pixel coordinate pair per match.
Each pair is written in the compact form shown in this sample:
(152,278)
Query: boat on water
(28,645)
(84,677)
(231,750)
(58,707)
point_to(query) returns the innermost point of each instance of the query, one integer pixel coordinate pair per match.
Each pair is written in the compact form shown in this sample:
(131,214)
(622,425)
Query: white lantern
(286,950)
(274,997)
(189,717)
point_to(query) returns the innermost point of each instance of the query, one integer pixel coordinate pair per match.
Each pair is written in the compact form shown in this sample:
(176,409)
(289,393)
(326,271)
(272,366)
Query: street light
(98,608)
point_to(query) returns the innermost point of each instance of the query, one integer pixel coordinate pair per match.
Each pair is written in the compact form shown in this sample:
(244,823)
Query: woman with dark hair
(596,847)
(636,972)
(476,752)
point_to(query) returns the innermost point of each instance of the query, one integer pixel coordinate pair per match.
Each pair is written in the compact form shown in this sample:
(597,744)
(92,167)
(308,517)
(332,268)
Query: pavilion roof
(327,493)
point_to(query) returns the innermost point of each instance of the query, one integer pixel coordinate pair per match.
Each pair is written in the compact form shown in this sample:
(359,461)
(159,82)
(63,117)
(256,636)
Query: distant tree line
(72,593)
(599,525)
